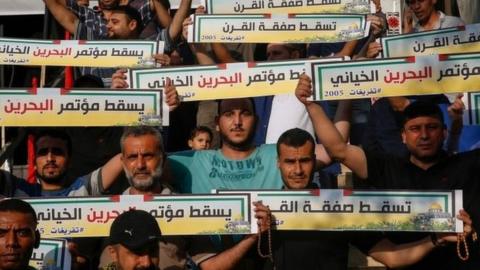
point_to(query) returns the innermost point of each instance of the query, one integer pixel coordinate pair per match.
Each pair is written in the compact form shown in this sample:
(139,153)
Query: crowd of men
(282,142)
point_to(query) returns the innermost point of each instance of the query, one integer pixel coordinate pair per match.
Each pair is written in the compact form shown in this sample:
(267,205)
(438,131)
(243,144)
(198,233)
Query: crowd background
(93,147)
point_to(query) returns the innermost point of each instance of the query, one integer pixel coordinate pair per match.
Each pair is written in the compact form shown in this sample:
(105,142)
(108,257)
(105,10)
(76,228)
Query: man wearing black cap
(133,241)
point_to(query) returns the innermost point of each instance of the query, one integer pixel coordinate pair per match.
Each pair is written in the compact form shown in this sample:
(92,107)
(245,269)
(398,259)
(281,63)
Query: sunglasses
(54,150)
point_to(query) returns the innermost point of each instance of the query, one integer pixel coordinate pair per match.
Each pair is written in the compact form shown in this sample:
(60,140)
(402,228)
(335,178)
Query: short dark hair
(294,137)
(18,206)
(200,129)
(422,108)
(56,134)
(137,131)
(219,102)
(132,14)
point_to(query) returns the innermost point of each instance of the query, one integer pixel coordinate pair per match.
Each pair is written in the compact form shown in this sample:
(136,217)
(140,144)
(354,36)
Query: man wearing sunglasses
(52,156)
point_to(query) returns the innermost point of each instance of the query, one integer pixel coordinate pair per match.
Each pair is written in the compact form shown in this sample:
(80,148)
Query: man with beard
(133,241)
(143,160)
(329,249)
(238,164)
(52,155)
(426,167)
(124,22)
(97,17)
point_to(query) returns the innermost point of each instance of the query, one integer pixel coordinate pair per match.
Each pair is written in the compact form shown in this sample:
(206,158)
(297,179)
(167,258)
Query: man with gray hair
(143,160)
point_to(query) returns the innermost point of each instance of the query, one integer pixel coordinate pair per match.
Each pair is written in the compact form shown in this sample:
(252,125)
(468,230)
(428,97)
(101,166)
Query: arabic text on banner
(278,28)
(176,215)
(418,75)
(462,39)
(282,6)
(336,209)
(79,53)
(225,81)
(96,107)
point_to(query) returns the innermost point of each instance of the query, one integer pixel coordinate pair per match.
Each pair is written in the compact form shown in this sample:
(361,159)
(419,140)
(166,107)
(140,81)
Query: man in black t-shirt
(426,167)
(329,250)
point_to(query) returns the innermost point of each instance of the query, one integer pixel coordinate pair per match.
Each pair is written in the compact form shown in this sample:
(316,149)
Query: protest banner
(337,209)
(52,254)
(417,75)
(79,53)
(232,80)
(95,107)
(277,28)
(285,7)
(176,215)
(462,39)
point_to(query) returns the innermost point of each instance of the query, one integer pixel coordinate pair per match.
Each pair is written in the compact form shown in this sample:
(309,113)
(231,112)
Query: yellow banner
(418,75)
(336,209)
(176,215)
(96,107)
(225,81)
(277,28)
(285,7)
(79,53)
(462,39)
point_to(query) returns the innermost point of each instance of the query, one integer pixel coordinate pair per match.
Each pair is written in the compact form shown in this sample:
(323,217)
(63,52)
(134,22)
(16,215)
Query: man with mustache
(97,17)
(426,167)
(329,249)
(18,234)
(52,156)
(133,241)
(238,164)
(123,22)
(143,160)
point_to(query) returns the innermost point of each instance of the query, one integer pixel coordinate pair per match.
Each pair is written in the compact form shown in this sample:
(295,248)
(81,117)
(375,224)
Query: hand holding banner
(419,75)
(226,81)
(277,28)
(336,209)
(96,107)
(462,39)
(177,215)
(279,6)
(79,53)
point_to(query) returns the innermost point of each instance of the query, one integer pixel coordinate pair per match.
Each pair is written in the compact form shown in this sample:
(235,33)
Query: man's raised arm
(62,14)
(336,147)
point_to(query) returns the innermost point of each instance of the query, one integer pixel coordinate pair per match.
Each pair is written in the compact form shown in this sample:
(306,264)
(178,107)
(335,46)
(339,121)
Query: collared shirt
(94,19)
(443,22)
(459,171)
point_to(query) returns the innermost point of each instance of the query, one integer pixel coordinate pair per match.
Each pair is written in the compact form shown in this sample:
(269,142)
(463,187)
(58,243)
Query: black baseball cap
(134,229)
